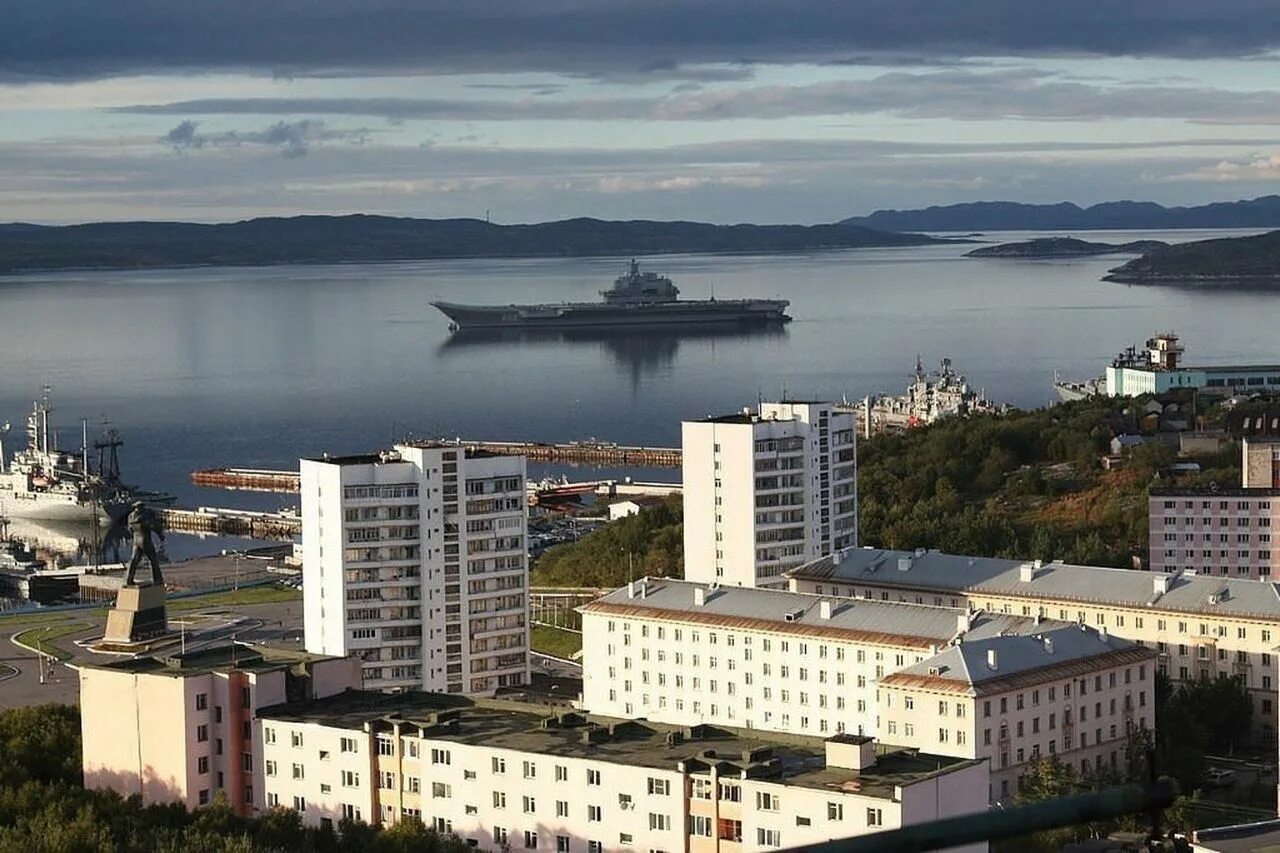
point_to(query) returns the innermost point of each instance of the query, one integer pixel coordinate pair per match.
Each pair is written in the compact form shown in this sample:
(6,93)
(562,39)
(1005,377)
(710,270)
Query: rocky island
(1063,247)
(1232,261)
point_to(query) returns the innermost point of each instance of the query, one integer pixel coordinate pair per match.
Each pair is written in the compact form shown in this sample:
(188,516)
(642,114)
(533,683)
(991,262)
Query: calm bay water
(258,366)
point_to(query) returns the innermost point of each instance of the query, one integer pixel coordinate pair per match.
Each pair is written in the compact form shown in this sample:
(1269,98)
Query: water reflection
(636,352)
(65,543)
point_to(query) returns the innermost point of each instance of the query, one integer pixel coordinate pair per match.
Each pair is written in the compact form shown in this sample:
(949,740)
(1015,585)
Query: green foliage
(1199,717)
(556,642)
(1023,484)
(43,807)
(651,540)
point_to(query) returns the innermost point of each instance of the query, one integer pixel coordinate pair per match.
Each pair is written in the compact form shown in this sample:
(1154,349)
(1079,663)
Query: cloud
(1014,93)
(70,39)
(1254,169)
(290,139)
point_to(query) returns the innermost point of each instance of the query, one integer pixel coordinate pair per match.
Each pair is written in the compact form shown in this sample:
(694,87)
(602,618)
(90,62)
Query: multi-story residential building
(1219,531)
(681,652)
(504,776)
(182,728)
(1200,626)
(414,560)
(768,490)
(1224,532)
(1070,691)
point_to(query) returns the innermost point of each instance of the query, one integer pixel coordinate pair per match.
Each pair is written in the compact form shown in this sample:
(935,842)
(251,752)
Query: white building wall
(416,562)
(767,491)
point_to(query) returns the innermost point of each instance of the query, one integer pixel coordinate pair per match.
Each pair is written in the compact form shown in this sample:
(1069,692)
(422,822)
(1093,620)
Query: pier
(591,452)
(232,522)
(582,452)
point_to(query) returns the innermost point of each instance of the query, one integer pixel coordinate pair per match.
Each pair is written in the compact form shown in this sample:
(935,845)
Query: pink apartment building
(183,727)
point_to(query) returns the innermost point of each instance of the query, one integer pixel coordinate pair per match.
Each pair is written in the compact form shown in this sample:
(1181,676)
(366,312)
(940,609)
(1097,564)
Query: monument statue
(142,523)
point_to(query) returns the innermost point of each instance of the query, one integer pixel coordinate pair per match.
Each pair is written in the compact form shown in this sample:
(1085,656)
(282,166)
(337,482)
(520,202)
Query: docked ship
(43,481)
(1070,389)
(931,396)
(636,299)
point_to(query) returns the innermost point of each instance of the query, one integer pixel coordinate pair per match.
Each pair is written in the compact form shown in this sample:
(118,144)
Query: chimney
(1161,583)
(964,621)
(1038,563)
(1048,645)
(1026,572)
(824,609)
(904,564)
(992,661)
(1102,633)
(631,589)
(644,588)
(699,596)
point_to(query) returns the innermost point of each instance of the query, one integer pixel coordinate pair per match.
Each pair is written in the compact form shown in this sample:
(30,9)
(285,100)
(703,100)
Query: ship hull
(586,315)
(46,508)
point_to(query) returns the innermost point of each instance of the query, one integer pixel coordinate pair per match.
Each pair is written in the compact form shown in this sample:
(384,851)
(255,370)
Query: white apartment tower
(414,560)
(767,491)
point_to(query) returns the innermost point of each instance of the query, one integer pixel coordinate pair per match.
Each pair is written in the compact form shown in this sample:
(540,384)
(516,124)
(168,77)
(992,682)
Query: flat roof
(866,620)
(1173,492)
(221,658)
(1096,585)
(789,759)
(1057,652)
(1260,837)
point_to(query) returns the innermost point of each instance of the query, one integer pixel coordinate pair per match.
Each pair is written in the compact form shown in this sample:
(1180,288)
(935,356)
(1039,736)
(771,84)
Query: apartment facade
(184,728)
(680,652)
(1261,468)
(1199,626)
(1071,692)
(767,490)
(1225,532)
(415,561)
(502,775)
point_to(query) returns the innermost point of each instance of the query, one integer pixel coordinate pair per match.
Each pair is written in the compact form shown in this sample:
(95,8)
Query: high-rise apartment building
(767,491)
(414,561)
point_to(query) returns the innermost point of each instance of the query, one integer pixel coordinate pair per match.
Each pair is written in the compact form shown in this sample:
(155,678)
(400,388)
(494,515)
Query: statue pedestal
(138,615)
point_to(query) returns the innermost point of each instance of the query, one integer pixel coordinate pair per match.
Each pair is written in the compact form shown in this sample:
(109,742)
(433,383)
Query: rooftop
(231,656)
(794,760)
(939,572)
(1260,837)
(1056,652)
(1174,492)
(884,622)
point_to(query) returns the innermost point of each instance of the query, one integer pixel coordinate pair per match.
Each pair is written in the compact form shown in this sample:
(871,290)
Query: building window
(202,765)
(202,701)
(562,808)
(768,837)
(530,770)
(499,765)
(593,777)
(659,822)
(875,817)
(499,799)
(835,811)
(203,798)
(298,771)
(562,773)
(202,733)
(593,814)
(347,744)
(562,844)
(440,756)
(659,787)
(530,805)
(350,779)
(530,840)
(299,804)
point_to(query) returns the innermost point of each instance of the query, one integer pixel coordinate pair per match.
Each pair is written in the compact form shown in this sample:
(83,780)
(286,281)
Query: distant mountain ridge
(1239,261)
(363,238)
(1263,212)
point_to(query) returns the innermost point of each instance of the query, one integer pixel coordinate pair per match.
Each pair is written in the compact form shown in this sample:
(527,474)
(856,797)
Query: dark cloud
(59,39)
(954,94)
(288,138)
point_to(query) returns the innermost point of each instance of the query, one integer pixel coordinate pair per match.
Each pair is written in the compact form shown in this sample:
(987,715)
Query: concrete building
(414,560)
(1219,531)
(1199,626)
(501,775)
(1261,468)
(683,653)
(184,727)
(1157,368)
(1224,532)
(1069,691)
(768,490)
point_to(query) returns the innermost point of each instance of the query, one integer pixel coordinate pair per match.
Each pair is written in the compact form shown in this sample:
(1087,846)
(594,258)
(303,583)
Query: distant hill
(1063,247)
(1261,212)
(336,239)
(1240,261)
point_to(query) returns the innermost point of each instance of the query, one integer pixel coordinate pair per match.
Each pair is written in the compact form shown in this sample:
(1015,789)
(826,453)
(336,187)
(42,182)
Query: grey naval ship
(44,481)
(636,299)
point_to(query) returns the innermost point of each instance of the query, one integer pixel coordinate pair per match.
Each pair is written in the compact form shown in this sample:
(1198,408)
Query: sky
(725,111)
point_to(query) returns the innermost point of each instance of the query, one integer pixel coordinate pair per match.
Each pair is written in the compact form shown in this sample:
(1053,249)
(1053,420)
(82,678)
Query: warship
(636,299)
(43,481)
(930,397)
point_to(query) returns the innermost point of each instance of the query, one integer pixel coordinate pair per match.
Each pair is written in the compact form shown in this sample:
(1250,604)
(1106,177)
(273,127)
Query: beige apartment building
(1070,692)
(1200,626)
(681,652)
(184,727)
(502,775)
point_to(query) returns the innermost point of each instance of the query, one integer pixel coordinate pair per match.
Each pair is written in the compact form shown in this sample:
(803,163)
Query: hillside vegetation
(340,239)
(653,539)
(1235,260)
